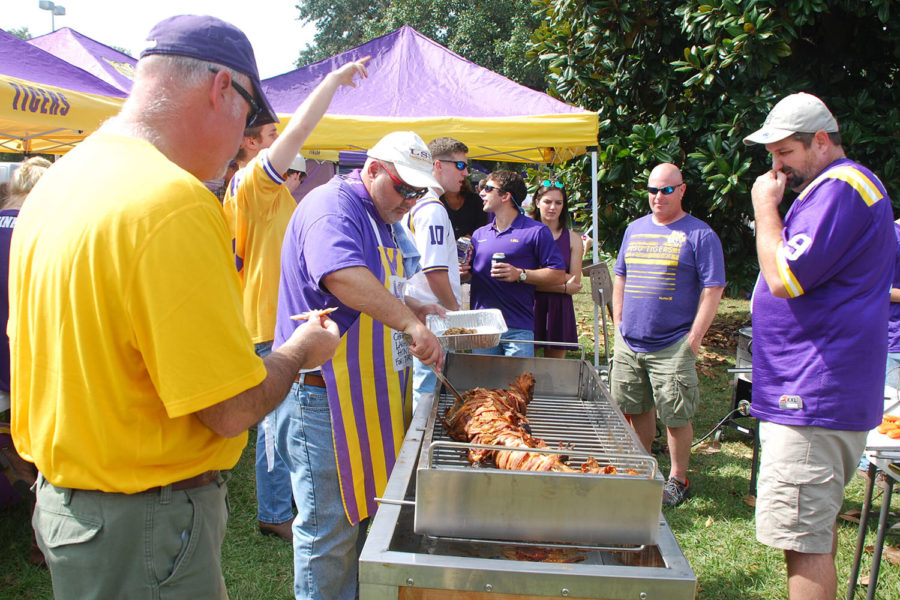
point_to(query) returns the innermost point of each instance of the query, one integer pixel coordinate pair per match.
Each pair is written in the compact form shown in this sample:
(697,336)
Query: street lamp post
(55,9)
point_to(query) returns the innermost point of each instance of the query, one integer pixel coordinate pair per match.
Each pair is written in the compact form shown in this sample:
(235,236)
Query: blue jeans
(273,488)
(508,345)
(326,545)
(424,381)
(892,370)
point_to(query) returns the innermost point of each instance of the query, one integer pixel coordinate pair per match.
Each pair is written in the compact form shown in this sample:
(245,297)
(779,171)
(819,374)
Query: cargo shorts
(666,379)
(802,474)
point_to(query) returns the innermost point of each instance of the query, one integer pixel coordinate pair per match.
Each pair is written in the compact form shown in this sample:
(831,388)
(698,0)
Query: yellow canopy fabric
(40,118)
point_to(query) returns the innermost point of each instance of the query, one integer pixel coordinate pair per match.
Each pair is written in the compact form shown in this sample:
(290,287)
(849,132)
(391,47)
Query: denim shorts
(666,379)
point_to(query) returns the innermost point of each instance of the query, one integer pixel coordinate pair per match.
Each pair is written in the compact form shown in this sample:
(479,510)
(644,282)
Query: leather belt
(313,379)
(191,482)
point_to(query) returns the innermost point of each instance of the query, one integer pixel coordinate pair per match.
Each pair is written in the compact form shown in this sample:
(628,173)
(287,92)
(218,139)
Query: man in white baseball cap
(341,425)
(797,113)
(820,314)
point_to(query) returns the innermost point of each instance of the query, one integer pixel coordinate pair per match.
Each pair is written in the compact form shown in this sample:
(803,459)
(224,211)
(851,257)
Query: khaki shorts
(163,544)
(666,379)
(802,474)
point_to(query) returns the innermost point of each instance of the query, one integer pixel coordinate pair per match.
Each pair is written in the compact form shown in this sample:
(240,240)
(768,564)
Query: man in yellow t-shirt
(258,206)
(134,376)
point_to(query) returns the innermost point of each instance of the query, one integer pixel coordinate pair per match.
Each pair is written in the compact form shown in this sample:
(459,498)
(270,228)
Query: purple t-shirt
(666,268)
(7,222)
(332,229)
(819,355)
(894,319)
(528,244)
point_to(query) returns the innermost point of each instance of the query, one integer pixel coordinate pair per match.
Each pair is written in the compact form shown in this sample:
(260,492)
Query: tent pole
(595,253)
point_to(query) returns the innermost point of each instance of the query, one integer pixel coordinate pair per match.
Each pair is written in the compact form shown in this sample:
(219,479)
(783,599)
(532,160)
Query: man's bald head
(665,189)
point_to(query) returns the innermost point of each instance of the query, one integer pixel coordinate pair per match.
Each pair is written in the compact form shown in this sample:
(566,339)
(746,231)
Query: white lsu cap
(797,113)
(298,164)
(409,155)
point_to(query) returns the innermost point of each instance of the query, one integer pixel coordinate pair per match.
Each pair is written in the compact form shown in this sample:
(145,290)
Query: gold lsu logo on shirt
(676,238)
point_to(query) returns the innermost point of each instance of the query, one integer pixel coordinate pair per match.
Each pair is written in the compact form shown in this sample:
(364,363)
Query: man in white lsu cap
(341,426)
(820,313)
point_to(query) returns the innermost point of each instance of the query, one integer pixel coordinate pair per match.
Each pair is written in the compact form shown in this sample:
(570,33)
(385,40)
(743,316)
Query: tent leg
(596,257)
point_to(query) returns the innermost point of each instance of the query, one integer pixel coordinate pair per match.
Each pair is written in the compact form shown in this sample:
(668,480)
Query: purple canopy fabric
(114,67)
(414,76)
(21,60)
(416,84)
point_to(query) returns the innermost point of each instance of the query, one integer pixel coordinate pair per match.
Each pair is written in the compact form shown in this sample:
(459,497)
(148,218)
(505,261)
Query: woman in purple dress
(554,312)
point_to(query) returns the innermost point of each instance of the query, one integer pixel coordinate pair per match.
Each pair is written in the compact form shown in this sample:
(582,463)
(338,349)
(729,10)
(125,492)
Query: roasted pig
(497,418)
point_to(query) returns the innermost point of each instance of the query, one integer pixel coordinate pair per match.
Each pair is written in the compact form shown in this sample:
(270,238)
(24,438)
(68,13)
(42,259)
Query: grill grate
(587,426)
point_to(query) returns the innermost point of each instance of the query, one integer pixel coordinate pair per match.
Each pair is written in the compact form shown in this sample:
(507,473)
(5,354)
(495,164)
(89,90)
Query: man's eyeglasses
(548,183)
(490,188)
(405,190)
(254,106)
(461,165)
(665,190)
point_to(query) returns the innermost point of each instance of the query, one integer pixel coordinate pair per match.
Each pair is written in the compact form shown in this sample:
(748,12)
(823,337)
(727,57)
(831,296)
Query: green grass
(715,528)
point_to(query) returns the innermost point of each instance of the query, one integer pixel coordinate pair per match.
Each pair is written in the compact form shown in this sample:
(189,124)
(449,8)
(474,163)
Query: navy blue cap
(213,40)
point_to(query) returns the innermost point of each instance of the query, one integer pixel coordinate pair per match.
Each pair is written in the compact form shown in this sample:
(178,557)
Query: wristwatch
(522,276)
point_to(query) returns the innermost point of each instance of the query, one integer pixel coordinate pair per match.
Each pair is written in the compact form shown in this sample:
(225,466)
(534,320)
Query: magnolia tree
(684,82)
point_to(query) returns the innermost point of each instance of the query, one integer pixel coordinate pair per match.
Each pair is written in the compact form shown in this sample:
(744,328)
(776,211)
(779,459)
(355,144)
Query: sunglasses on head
(665,190)
(254,105)
(490,188)
(548,183)
(461,165)
(405,190)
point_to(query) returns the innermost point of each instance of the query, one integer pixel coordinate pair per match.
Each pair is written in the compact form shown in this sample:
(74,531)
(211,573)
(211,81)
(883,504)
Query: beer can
(498,257)
(464,249)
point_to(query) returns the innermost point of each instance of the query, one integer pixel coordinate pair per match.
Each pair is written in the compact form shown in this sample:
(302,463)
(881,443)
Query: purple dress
(554,313)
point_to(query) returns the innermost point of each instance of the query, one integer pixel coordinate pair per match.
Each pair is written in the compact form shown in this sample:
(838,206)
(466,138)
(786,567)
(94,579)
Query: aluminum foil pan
(488,324)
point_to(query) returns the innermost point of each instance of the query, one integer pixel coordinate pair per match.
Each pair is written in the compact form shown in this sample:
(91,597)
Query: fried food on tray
(497,418)
(459,331)
(313,313)
(890,426)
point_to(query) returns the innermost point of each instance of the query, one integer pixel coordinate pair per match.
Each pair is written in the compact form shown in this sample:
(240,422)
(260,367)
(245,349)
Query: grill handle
(395,501)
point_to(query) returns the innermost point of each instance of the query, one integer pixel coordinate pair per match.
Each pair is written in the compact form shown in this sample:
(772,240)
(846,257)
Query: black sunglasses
(665,190)
(404,189)
(460,164)
(548,183)
(254,106)
(490,188)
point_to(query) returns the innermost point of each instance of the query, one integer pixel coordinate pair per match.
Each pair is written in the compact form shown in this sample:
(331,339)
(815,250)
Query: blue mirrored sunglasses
(490,188)
(548,183)
(665,190)
(460,164)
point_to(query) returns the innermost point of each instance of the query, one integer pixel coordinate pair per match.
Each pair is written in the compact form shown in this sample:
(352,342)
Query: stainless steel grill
(573,413)
(399,562)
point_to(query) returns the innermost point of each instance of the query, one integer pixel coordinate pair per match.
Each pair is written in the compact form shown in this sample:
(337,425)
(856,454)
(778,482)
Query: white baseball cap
(298,164)
(409,155)
(797,113)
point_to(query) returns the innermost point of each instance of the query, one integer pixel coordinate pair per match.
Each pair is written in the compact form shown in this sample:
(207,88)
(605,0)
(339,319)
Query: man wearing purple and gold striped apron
(340,428)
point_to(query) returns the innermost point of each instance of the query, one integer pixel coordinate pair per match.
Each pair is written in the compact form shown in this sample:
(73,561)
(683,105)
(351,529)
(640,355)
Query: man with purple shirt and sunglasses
(820,318)
(341,426)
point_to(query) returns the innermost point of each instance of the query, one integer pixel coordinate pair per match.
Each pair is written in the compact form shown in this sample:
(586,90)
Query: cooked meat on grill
(497,418)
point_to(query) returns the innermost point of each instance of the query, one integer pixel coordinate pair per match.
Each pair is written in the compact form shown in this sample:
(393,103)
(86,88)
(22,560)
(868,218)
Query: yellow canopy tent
(46,104)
